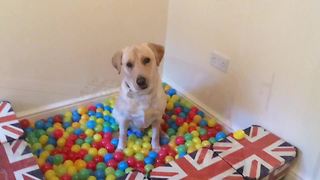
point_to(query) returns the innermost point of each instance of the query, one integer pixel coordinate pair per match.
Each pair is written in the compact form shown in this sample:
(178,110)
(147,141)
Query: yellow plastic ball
(86,146)
(191,149)
(195,133)
(44,154)
(128,151)
(211,122)
(71,170)
(146,138)
(49,174)
(197,118)
(99,110)
(61,142)
(170,105)
(80,164)
(57,126)
(174,117)
(196,140)
(130,143)
(92,178)
(75,148)
(97,137)
(110,177)
(239,134)
(68,163)
(136,148)
(100,121)
(85,117)
(144,151)
(168,159)
(175,98)
(167,88)
(89,132)
(70,130)
(82,110)
(68,114)
(49,147)
(43,139)
(93,151)
(146,145)
(83,122)
(102,152)
(75,125)
(40,161)
(205,143)
(198,146)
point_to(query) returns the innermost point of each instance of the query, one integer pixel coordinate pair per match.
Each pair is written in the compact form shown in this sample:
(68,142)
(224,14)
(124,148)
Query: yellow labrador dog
(142,100)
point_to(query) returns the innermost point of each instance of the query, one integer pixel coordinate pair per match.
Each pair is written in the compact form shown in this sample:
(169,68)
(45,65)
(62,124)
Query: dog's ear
(158,51)
(117,60)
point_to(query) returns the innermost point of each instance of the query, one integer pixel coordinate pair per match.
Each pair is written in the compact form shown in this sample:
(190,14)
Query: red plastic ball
(211,132)
(118,156)
(188,120)
(131,161)
(104,142)
(98,159)
(24,123)
(179,121)
(91,165)
(92,108)
(97,145)
(72,137)
(66,177)
(107,136)
(45,167)
(58,119)
(164,127)
(177,110)
(194,109)
(172,153)
(160,161)
(180,140)
(112,163)
(192,128)
(204,137)
(82,136)
(82,153)
(191,114)
(58,133)
(218,127)
(139,164)
(165,117)
(110,148)
(162,154)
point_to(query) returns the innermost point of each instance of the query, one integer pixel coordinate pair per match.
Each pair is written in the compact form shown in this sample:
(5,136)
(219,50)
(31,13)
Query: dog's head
(139,65)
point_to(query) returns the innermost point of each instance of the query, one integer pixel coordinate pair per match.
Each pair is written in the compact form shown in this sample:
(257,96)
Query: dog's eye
(129,65)
(146,60)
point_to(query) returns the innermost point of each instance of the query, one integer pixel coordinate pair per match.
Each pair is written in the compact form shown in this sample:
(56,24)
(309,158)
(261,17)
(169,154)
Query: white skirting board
(60,107)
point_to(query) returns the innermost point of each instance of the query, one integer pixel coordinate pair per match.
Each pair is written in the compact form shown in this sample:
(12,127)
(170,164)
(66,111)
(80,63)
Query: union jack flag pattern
(9,125)
(17,162)
(202,164)
(256,156)
(136,175)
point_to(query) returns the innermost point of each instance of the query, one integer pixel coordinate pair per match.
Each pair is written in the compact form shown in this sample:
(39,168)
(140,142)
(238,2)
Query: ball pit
(81,144)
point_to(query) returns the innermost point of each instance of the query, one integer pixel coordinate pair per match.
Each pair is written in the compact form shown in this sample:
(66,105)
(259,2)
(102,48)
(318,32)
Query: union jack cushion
(257,155)
(9,125)
(133,176)
(202,164)
(17,162)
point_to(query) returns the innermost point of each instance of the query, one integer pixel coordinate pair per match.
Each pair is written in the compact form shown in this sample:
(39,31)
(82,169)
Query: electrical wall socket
(219,61)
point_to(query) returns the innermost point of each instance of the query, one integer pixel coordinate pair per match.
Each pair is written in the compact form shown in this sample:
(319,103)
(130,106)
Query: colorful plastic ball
(171,92)
(168,159)
(112,163)
(24,123)
(39,124)
(58,133)
(71,170)
(88,157)
(148,167)
(108,157)
(100,174)
(66,177)
(91,124)
(36,146)
(110,148)
(84,173)
(118,156)
(97,137)
(91,165)
(180,140)
(164,140)
(239,134)
(101,166)
(115,141)
(148,160)
(220,136)
(139,156)
(102,152)
(111,177)
(93,151)
(60,170)
(80,164)
(119,173)
(49,174)
(43,139)
(128,151)
(58,159)
(123,165)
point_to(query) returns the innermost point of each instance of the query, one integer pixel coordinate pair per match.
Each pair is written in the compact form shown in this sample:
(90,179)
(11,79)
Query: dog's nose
(142,83)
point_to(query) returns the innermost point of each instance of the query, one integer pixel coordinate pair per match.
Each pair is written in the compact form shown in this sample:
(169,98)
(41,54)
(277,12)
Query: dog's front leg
(123,128)
(155,136)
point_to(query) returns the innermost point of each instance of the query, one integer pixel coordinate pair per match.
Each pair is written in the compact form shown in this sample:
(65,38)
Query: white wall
(51,51)
(273,78)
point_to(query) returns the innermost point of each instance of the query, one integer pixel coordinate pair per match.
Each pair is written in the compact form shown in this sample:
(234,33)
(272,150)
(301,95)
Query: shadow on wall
(223,94)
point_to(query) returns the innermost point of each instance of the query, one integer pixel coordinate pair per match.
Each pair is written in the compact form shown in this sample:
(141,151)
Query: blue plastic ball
(76,117)
(220,136)
(50,120)
(66,124)
(108,108)
(99,105)
(108,157)
(164,140)
(172,92)
(122,165)
(91,124)
(99,115)
(115,141)
(40,124)
(99,174)
(139,134)
(203,123)
(107,129)
(52,141)
(91,113)
(153,154)
(148,160)
(78,131)
(201,113)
